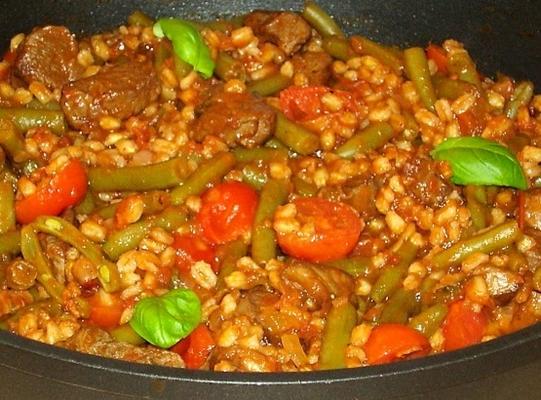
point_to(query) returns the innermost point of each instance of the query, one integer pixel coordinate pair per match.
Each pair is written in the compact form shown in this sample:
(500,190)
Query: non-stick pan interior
(502,36)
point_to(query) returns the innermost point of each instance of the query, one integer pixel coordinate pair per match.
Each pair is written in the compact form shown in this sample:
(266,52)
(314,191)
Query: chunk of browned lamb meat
(316,66)
(287,30)
(99,343)
(119,90)
(49,55)
(239,119)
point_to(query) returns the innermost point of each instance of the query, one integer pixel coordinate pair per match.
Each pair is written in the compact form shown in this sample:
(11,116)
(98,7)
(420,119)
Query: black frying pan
(502,36)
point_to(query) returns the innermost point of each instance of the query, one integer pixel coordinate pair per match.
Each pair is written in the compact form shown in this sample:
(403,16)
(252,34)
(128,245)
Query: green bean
(356,266)
(495,238)
(162,175)
(7,207)
(372,137)
(429,320)
(521,97)
(182,68)
(87,205)
(265,154)
(304,188)
(274,143)
(107,271)
(169,219)
(269,85)
(399,307)
(161,53)
(26,118)
(228,255)
(296,137)
(274,194)
(10,243)
(32,252)
(35,104)
(139,18)
(208,172)
(320,20)
(386,55)
(390,278)
(340,322)
(255,176)
(228,68)
(126,334)
(461,64)
(12,141)
(418,72)
(476,208)
(337,47)
(153,202)
(451,89)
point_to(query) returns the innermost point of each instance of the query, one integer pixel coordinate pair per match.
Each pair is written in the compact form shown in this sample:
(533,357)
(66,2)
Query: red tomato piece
(336,230)
(65,189)
(106,310)
(301,103)
(463,326)
(196,348)
(227,212)
(437,54)
(391,342)
(191,248)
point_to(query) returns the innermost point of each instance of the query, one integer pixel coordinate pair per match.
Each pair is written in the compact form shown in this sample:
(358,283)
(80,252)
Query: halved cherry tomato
(304,103)
(336,229)
(463,326)
(106,309)
(227,212)
(437,54)
(65,189)
(391,342)
(190,249)
(196,348)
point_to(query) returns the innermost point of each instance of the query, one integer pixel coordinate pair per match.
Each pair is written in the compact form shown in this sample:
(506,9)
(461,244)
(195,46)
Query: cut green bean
(274,194)
(451,89)
(12,141)
(386,55)
(33,253)
(35,104)
(340,322)
(274,143)
(87,205)
(163,175)
(356,266)
(521,97)
(296,137)
(399,307)
(391,277)
(265,154)
(495,238)
(372,137)
(7,207)
(126,334)
(182,68)
(255,176)
(338,47)
(269,85)
(161,53)
(10,243)
(476,208)
(26,118)
(228,67)
(107,271)
(304,188)
(461,64)
(429,320)
(228,255)
(139,18)
(208,172)
(320,20)
(418,72)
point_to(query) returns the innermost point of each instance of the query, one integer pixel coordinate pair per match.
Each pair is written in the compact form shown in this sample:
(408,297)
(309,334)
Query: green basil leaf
(164,320)
(478,161)
(188,43)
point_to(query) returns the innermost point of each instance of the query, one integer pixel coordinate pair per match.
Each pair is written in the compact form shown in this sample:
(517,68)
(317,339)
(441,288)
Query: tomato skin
(196,348)
(463,326)
(227,212)
(304,103)
(106,313)
(391,342)
(191,248)
(337,228)
(65,189)
(437,54)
